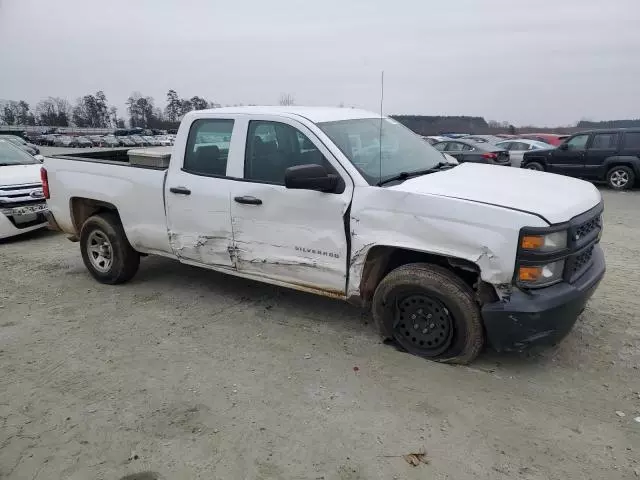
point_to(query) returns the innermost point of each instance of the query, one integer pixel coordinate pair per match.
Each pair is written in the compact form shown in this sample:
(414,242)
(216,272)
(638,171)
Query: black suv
(609,155)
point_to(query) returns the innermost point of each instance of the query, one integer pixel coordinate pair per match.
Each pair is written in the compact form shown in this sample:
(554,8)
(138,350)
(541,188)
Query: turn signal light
(532,242)
(529,274)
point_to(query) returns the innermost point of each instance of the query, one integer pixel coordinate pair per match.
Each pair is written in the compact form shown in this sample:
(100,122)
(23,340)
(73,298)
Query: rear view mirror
(310,177)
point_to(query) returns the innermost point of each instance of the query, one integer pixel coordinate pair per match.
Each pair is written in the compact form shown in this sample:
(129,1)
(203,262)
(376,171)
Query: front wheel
(429,312)
(620,178)
(106,252)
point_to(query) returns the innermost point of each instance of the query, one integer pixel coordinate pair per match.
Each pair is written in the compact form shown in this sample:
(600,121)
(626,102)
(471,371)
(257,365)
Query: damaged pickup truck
(351,205)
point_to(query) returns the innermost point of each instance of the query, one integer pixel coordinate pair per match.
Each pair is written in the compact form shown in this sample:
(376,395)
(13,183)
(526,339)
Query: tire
(106,252)
(537,166)
(445,298)
(620,177)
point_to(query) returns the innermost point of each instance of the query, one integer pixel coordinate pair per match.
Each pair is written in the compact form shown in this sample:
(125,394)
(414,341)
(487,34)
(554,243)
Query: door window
(505,145)
(272,147)
(467,148)
(441,147)
(604,141)
(208,147)
(455,147)
(578,142)
(519,146)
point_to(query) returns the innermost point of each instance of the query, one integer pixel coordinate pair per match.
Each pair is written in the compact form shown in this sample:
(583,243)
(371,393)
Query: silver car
(518,146)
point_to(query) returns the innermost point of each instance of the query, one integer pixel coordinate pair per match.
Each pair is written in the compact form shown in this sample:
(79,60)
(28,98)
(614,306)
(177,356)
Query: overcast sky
(544,62)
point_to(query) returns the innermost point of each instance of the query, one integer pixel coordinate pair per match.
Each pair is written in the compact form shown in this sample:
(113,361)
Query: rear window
(631,141)
(605,141)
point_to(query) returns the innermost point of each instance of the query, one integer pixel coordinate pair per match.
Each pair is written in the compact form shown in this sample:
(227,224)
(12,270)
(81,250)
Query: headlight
(551,242)
(540,275)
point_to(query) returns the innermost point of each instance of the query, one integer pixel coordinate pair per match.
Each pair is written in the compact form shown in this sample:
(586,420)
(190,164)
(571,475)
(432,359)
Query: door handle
(180,190)
(248,200)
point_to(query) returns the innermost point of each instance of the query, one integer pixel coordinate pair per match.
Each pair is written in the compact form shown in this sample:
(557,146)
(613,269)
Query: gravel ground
(185,373)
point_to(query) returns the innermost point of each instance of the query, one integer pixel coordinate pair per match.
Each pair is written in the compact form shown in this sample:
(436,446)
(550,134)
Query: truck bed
(137,192)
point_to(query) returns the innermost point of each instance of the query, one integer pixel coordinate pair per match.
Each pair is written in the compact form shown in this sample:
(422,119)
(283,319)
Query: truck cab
(351,205)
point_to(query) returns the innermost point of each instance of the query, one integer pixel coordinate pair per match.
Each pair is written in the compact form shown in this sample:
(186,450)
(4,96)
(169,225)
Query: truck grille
(584,233)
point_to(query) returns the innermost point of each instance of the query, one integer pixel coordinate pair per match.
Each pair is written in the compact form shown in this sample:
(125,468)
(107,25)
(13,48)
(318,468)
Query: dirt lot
(185,374)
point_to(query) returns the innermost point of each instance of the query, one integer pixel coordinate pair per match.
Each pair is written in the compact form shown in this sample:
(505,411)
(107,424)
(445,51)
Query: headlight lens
(541,275)
(551,242)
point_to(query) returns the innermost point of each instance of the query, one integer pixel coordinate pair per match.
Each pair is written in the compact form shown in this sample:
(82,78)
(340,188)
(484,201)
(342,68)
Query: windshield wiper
(404,175)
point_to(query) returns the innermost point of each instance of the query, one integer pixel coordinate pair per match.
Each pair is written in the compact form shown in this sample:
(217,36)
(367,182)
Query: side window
(504,145)
(454,147)
(208,147)
(578,142)
(631,141)
(519,146)
(272,147)
(604,141)
(442,146)
(467,148)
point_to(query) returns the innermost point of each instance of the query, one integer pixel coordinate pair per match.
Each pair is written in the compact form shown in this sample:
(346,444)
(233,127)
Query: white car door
(293,237)
(198,194)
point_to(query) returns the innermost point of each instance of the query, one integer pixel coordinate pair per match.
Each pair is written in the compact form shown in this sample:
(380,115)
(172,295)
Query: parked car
(517,147)
(164,140)
(138,141)
(447,256)
(84,142)
(22,202)
(126,141)
(467,151)
(151,140)
(96,140)
(483,138)
(20,142)
(433,139)
(47,139)
(550,138)
(612,156)
(65,141)
(111,141)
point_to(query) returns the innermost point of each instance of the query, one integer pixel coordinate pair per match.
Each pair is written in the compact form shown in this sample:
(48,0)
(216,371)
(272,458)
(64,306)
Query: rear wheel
(429,312)
(106,252)
(620,177)
(535,166)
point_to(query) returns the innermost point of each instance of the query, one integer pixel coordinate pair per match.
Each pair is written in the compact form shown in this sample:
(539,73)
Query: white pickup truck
(343,203)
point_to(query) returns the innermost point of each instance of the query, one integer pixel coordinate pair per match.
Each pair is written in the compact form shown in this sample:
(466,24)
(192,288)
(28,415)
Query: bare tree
(286,99)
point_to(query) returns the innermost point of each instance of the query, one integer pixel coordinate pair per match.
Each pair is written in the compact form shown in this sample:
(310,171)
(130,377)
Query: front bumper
(544,316)
(11,229)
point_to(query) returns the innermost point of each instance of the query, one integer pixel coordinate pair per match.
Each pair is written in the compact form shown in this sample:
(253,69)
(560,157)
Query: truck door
(290,236)
(197,195)
(569,157)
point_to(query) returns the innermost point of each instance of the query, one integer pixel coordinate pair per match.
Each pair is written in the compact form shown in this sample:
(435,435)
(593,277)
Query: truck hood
(556,198)
(19,174)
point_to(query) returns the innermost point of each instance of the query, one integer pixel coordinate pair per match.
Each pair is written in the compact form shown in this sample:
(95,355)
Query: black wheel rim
(423,324)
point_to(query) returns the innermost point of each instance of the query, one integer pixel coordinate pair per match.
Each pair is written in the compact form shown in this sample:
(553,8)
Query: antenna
(380,134)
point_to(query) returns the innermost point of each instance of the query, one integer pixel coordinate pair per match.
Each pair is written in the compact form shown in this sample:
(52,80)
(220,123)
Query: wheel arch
(624,161)
(382,259)
(82,208)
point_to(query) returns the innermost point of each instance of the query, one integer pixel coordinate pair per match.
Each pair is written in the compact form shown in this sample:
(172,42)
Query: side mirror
(310,177)
(563,146)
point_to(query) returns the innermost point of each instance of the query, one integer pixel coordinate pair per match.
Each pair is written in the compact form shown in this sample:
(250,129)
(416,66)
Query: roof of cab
(314,114)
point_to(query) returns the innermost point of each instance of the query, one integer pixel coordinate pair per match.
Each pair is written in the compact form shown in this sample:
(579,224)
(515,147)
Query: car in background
(467,151)
(483,138)
(612,156)
(164,140)
(110,141)
(433,139)
(125,141)
(65,141)
(96,140)
(84,142)
(550,138)
(46,139)
(20,142)
(153,141)
(517,147)
(138,141)
(22,203)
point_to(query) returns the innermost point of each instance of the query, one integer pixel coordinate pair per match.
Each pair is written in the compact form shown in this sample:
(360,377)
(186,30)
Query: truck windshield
(11,155)
(402,150)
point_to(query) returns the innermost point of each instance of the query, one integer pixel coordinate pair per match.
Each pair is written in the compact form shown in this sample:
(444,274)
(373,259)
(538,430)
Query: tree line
(94,111)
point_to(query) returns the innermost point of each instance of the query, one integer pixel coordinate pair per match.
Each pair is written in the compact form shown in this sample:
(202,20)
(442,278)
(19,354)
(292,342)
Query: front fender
(485,235)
